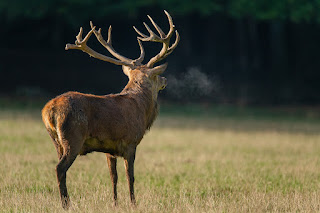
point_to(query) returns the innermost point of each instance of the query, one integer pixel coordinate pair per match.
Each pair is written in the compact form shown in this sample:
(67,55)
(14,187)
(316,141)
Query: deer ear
(126,70)
(158,70)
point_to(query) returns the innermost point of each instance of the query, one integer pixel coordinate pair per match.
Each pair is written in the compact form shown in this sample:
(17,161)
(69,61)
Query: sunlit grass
(201,161)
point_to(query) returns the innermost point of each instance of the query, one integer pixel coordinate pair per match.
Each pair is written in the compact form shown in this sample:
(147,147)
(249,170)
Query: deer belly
(95,145)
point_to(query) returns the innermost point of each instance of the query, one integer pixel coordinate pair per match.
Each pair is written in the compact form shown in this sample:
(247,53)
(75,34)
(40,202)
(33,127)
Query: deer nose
(163,82)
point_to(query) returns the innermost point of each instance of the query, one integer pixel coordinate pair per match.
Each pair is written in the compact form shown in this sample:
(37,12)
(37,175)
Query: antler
(81,44)
(164,39)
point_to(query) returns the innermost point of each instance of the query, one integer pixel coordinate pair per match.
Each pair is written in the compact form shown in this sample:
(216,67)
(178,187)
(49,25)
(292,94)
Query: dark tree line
(251,52)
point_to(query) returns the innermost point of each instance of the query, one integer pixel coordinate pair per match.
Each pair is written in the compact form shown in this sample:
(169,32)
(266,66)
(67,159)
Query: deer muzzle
(163,83)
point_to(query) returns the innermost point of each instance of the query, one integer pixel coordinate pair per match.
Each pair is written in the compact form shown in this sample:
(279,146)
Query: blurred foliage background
(244,52)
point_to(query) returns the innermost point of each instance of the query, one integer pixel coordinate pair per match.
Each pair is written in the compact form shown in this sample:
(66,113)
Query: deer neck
(145,98)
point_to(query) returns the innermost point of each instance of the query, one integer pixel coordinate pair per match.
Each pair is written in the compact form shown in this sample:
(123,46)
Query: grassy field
(194,159)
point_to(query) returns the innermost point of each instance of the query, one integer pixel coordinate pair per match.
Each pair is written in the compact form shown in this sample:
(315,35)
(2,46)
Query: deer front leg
(112,163)
(128,163)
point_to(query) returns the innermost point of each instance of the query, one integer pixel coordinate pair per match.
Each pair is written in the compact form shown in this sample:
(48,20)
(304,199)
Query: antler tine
(174,45)
(109,41)
(152,37)
(108,45)
(140,33)
(88,35)
(142,54)
(79,36)
(162,34)
(172,27)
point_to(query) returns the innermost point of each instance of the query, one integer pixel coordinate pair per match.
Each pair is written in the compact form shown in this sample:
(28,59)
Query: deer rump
(106,124)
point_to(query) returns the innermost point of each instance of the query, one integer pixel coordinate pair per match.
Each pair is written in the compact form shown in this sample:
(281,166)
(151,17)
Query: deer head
(139,74)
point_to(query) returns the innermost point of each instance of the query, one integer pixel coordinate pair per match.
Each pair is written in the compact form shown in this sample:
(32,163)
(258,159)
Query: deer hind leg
(112,163)
(128,163)
(59,149)
(68,157)
(56,143)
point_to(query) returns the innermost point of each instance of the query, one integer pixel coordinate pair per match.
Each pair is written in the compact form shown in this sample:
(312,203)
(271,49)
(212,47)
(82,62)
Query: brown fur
(114,124)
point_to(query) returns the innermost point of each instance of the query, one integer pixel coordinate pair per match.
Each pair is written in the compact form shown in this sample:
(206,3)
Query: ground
(195,159)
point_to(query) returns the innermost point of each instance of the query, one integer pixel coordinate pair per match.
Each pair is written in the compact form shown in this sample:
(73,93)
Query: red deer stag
(113,124)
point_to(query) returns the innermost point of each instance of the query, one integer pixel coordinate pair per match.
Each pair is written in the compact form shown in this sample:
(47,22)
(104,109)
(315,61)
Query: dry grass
(204,162)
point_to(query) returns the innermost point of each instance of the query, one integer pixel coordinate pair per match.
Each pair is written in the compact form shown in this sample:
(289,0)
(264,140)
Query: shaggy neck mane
(142,94)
